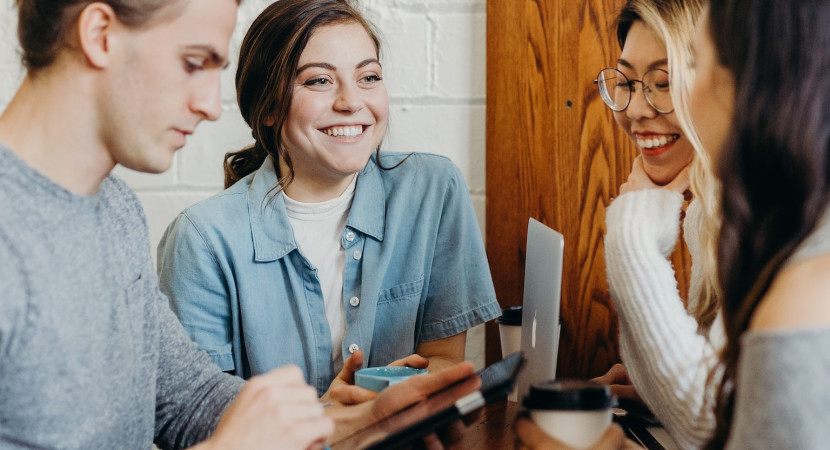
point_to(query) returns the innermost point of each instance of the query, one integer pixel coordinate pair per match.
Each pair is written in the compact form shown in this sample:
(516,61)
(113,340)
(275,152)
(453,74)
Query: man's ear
(95,25)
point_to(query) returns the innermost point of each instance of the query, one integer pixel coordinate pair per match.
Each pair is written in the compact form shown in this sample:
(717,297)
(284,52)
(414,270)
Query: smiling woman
(338,112)
(648,115)
(668,346)
(323,251)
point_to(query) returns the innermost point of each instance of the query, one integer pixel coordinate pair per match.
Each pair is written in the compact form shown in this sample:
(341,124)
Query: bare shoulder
(798,298)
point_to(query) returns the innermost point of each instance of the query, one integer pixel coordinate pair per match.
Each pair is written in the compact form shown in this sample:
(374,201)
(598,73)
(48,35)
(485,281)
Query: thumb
(352,365)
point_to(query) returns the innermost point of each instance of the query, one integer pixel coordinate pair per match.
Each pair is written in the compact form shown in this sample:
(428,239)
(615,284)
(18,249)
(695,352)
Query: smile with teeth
(349,131)
(656,141)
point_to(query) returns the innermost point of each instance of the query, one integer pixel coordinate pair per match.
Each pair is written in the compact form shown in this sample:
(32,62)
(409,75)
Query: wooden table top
(493,429)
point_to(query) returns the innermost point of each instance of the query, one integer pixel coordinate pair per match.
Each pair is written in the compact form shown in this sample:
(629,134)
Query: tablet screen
(441,408)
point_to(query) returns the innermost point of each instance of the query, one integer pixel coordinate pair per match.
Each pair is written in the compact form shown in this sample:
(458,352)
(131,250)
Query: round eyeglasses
(616,90)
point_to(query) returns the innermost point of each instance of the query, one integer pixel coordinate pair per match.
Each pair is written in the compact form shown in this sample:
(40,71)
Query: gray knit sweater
(782,398)
(90,354)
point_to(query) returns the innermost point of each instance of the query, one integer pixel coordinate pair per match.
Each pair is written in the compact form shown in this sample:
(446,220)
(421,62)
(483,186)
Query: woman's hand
(417,388)
(530,436)
(617,379)
(399,396)
(638,179)
(343,390)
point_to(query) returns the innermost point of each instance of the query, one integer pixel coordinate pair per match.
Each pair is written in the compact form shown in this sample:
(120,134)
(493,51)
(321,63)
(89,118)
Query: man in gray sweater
(90,354)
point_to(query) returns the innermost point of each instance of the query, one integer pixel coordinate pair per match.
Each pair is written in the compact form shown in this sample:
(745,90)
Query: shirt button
(349,236)
(353,348)
(354,301)
(357,254)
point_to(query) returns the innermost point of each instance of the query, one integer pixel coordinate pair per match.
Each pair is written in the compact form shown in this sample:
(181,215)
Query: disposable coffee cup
(575,412)
(510,333)
(510,330)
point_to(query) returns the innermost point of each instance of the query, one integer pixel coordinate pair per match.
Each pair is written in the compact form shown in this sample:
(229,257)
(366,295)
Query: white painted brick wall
(434,67)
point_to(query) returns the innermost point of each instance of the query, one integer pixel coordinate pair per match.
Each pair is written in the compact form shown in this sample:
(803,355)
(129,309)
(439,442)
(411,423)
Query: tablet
(440,409)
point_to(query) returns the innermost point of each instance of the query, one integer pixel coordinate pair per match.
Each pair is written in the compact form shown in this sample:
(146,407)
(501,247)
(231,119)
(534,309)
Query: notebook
(540,311)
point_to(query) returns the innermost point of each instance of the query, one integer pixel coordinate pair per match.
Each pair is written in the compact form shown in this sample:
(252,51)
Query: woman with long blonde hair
(668,347)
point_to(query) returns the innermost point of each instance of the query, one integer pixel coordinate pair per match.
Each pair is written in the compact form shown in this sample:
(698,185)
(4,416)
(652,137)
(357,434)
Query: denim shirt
(415,271)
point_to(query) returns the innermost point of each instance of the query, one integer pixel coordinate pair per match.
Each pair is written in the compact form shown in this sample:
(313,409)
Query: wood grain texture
(555,154)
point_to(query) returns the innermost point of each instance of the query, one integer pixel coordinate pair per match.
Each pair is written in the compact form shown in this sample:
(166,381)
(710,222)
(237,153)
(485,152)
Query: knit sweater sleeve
(192,392)
(666,358)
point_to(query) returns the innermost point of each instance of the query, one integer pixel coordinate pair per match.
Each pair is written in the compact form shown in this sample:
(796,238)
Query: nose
(349,99)
(207,100)
(639,107)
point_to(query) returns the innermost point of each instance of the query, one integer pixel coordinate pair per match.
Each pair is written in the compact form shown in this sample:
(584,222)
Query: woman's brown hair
(775,163)
(265,76)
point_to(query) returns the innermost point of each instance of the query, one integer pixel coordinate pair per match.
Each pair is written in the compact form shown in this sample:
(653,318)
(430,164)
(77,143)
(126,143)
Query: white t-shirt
(317,229)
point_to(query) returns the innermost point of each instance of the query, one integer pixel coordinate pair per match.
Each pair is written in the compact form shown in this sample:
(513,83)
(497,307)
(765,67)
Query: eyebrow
(654,65)
(366,62)
(214,56)
(328,66)
(321,65)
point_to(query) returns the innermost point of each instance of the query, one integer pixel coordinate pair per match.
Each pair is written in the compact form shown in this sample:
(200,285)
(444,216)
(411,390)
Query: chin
(354,165)
(152,166)
(662,176)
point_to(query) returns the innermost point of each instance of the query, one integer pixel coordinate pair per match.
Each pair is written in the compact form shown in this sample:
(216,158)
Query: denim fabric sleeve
(460,292)
(191,277)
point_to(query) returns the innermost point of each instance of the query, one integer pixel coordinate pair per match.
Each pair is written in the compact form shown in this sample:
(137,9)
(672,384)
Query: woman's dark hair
(774,165)
(625,19)
(43,26)
(265,77)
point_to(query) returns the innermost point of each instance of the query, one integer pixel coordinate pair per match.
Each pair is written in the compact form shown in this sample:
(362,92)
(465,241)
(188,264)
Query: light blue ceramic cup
(379,378)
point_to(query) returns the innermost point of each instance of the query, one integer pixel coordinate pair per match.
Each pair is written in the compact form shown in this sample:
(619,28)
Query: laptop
(540,310)
(540,329)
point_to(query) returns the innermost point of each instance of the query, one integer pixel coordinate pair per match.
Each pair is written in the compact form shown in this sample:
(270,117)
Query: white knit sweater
(666,358)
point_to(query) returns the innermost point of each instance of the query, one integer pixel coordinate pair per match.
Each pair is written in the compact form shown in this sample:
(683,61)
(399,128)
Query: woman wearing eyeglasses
(668,348)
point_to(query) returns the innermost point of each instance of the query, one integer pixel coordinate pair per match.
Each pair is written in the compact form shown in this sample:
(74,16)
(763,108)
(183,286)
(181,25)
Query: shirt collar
(368,213)
(271,231)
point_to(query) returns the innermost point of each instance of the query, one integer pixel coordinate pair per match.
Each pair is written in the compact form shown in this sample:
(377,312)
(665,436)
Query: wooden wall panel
(554,153)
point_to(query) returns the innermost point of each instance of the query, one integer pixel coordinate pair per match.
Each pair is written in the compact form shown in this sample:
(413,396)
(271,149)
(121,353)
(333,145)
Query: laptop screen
(540,311)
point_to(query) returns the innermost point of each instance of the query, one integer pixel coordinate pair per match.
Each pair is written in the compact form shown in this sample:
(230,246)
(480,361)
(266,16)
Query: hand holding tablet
(398,427)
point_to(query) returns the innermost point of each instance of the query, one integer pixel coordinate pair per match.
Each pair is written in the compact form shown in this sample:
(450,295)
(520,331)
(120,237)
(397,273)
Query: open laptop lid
(540,311)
